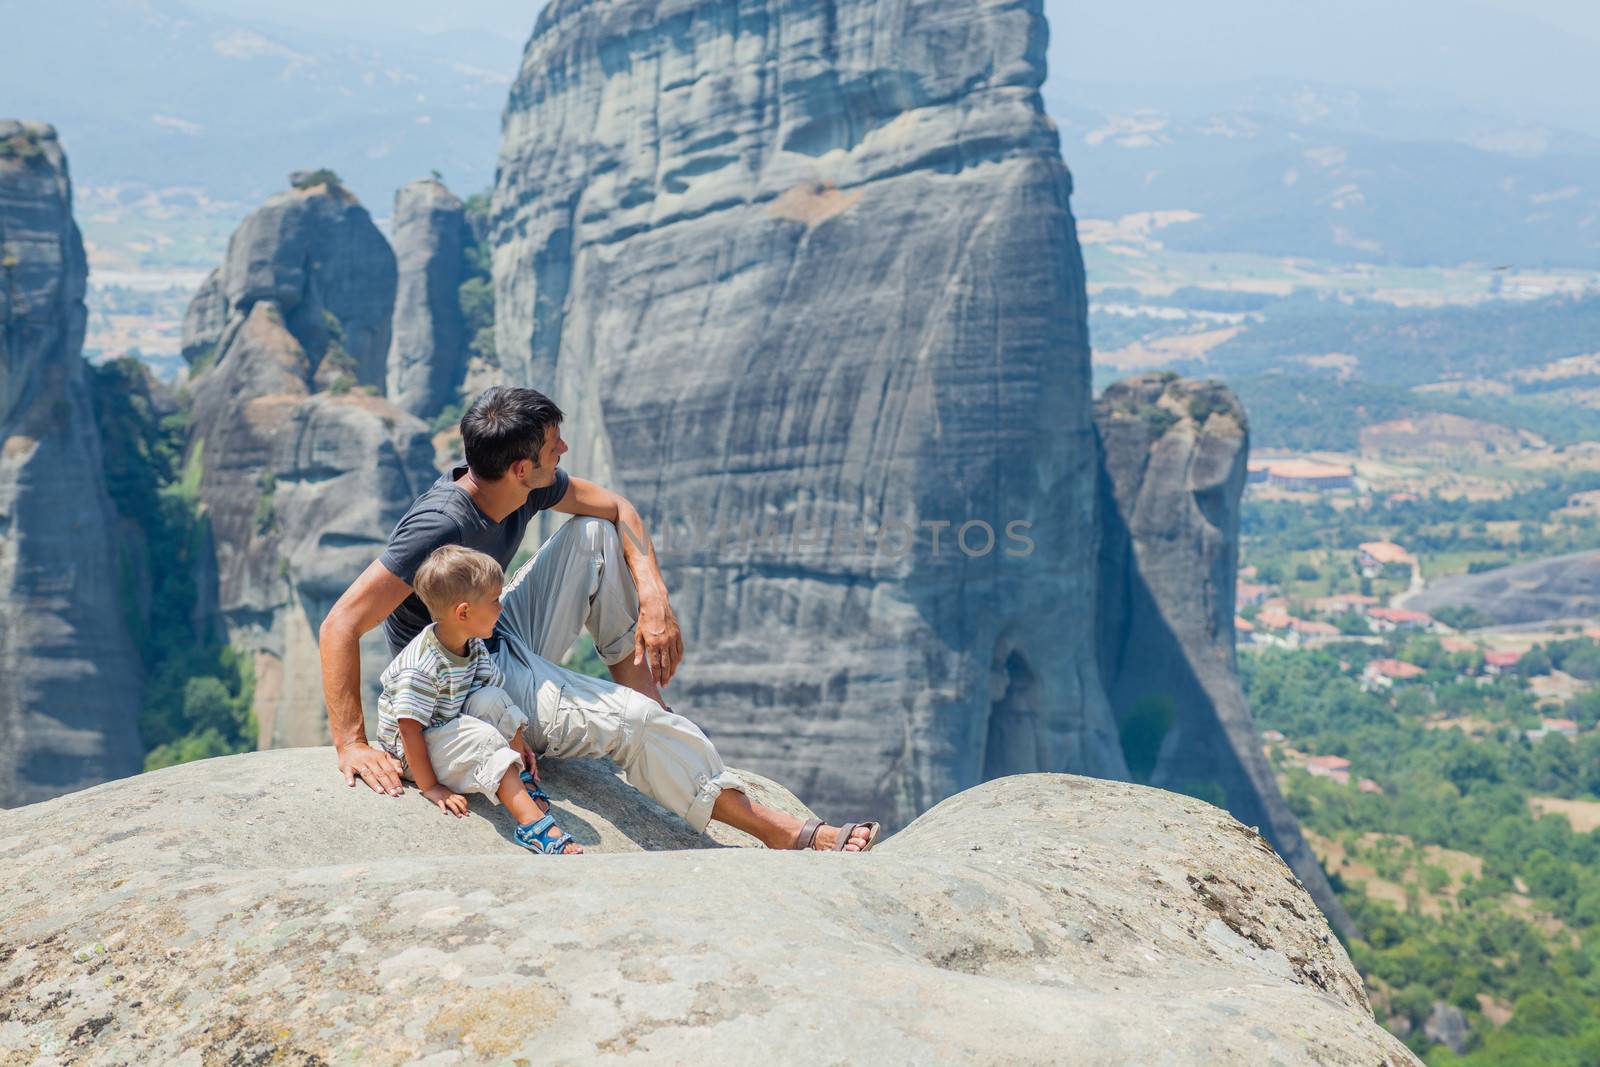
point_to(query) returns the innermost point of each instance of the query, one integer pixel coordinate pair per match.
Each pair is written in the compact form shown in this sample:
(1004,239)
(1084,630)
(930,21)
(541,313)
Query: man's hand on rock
(450,802)
(658,637)
(373,766)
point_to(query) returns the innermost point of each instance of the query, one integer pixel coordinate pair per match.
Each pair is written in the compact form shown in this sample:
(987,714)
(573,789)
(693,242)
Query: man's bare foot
(828,836)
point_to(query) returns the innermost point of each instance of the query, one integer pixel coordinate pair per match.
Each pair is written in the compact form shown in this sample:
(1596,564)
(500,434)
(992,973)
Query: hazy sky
(1528,59)
(513,18)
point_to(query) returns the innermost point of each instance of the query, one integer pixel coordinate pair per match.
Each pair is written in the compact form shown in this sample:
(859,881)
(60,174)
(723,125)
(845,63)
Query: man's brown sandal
(808,835)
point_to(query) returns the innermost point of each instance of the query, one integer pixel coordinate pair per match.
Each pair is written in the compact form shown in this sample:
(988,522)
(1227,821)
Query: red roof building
(1334,767)
(1400,618)
(1396,668)
(1501,659)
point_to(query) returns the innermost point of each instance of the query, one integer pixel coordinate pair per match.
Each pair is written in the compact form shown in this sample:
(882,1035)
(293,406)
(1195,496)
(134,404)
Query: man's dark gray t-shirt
(447,515)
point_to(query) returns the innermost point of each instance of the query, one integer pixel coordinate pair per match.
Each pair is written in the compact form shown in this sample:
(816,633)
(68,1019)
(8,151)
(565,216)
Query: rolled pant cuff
(621,649)
(699,814)
(492,770)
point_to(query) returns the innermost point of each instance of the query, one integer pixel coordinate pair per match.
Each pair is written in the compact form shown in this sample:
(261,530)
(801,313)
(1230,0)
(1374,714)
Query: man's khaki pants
(577,580)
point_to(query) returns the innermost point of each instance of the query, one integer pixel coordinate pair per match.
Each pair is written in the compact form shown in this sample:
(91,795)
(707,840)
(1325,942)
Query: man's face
(542,470)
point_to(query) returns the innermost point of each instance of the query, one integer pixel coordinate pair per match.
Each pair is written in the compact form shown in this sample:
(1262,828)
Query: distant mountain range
(1330,173)
(156,92)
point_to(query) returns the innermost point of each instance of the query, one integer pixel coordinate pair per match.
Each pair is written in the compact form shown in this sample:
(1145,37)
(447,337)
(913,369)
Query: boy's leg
(578,579)
(470,756)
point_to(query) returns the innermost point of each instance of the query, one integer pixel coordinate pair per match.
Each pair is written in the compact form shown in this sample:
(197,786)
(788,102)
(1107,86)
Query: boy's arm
(422,770)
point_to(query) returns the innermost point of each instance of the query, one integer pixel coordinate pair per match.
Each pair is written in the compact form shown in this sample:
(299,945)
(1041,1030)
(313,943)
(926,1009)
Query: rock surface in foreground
(255,908)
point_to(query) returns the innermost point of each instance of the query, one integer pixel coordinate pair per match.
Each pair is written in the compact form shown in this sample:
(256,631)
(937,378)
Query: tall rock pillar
(71,674)
(805,278)
(1174,454)
(428,350)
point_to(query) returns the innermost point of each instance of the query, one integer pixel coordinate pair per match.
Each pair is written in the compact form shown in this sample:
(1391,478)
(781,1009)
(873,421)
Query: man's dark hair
(505,424)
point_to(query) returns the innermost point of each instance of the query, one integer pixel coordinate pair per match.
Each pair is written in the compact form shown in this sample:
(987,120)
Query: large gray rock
(69,671)
(204,321)
(1447,1026)
(1540,590)
(428,351)
(316,255)
(1173,468)
(808,267)
(254,909)
(301,476)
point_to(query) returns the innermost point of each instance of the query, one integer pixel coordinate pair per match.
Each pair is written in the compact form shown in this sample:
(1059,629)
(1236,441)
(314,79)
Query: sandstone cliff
(806,281)
(1032,920)
(429,349)
(302,472)
(1173,468)
(71,674)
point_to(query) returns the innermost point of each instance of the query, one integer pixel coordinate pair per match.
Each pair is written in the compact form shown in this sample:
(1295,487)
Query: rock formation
(1173,469)
(303,473)
(1541,590)
(71,673)
(429,347)
(806,281)
(314,252)
(1030,919)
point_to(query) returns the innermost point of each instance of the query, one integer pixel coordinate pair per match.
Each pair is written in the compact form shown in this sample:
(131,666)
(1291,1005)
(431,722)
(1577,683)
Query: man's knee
(593,535)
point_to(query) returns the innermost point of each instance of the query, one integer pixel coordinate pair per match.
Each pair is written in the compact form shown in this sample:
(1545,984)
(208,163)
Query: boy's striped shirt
(429,683)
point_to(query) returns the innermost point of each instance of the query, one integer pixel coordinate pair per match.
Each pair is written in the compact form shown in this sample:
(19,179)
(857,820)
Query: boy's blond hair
(453,574)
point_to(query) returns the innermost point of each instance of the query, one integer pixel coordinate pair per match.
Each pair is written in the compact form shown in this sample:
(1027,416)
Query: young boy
(444,714)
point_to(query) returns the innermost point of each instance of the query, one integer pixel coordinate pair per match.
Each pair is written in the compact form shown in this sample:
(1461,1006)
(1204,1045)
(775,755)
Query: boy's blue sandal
(543,837)
(535,791)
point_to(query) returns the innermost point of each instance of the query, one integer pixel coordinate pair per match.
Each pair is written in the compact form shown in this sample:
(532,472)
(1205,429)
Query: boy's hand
(449,802)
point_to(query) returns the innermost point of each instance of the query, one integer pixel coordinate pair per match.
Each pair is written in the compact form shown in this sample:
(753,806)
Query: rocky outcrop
(71,674)
(1173,469)
(1028,916)
(429,348)
(204,321)
(806,281)
(1541,590)
(315,254)
(302,473)
(1447,1025)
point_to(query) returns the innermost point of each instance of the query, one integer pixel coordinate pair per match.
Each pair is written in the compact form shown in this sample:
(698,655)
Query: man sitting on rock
(585,575)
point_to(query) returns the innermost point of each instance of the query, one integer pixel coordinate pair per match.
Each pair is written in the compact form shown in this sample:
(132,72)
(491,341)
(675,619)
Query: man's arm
(658,633)
(367,602)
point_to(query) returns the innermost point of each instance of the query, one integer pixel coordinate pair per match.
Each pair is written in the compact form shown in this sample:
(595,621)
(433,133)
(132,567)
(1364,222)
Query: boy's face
(478,616)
